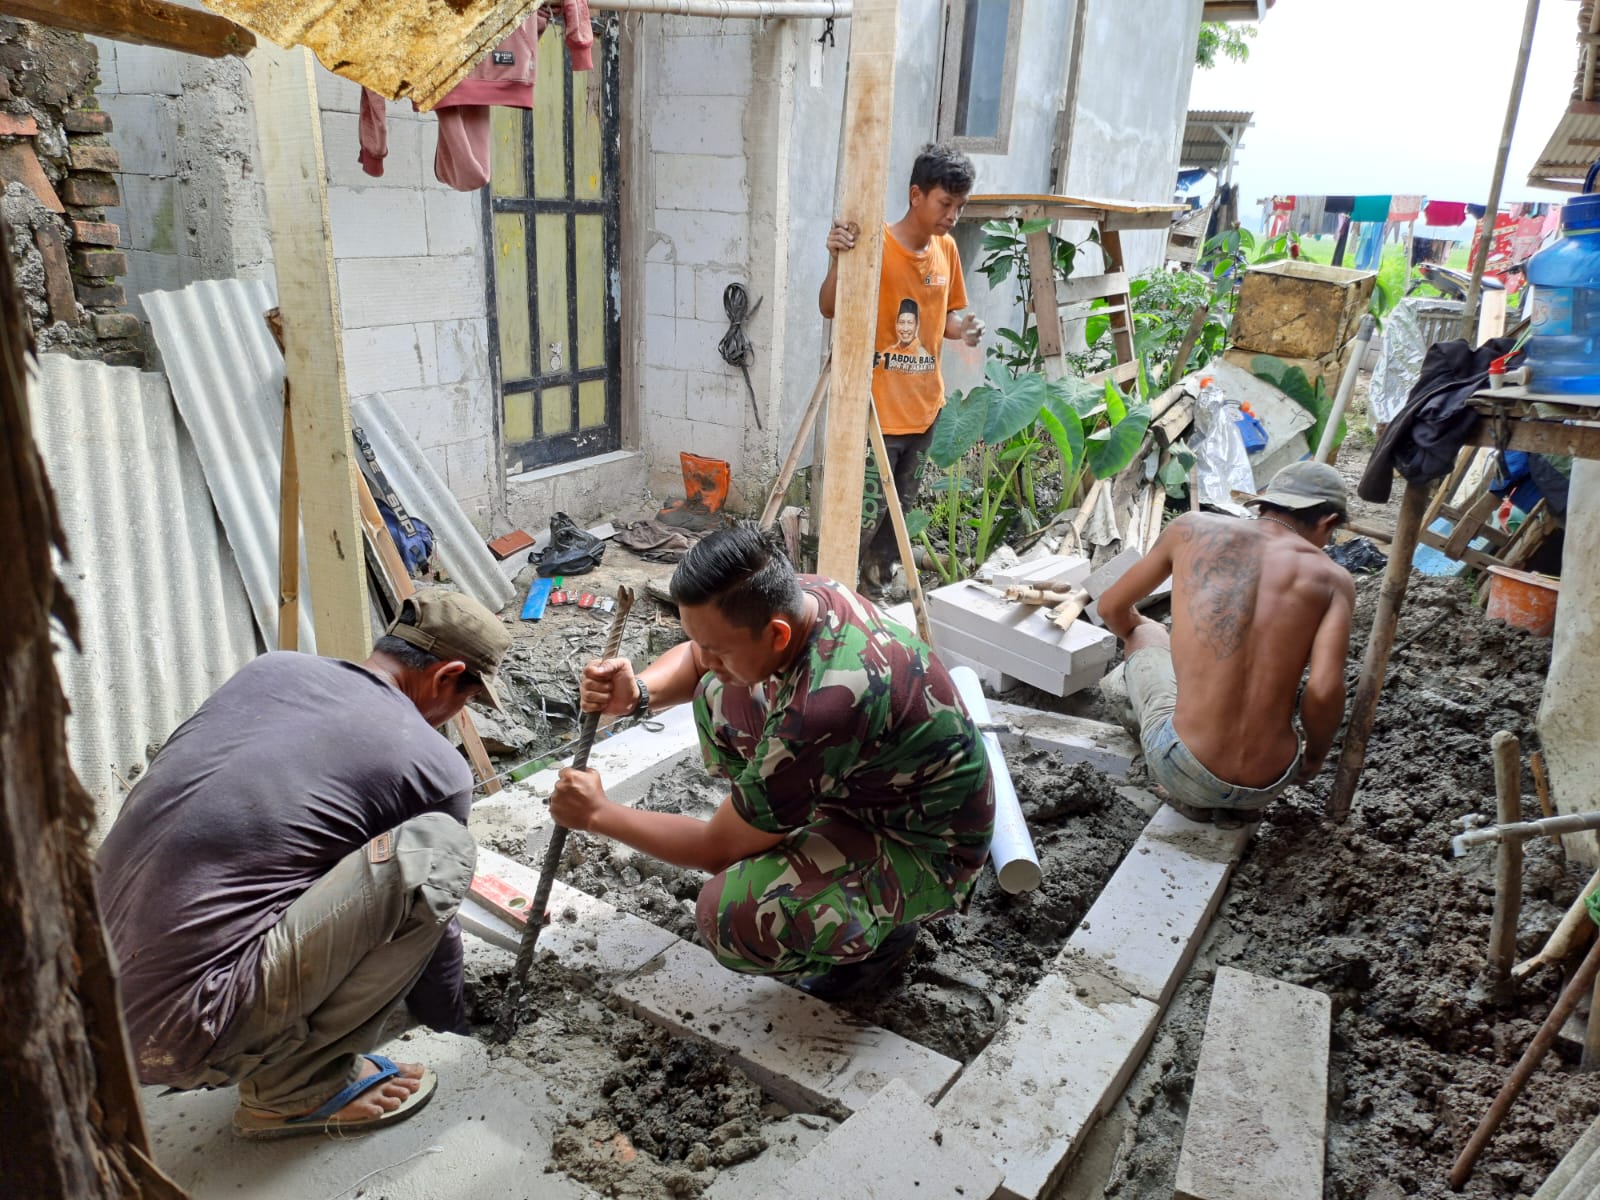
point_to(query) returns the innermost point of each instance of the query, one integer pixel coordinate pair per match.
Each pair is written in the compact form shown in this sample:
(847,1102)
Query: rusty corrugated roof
(413,49)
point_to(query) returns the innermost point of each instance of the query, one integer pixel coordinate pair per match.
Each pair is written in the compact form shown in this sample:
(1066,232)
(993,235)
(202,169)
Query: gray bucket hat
(1305,485)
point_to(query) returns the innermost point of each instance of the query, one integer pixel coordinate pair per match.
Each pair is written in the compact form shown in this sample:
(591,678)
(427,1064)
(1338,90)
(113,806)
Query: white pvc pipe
(753,10)
(1016,864)
(1347,384)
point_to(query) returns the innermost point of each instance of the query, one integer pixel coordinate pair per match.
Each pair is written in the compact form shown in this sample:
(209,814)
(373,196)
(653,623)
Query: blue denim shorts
(1153,695)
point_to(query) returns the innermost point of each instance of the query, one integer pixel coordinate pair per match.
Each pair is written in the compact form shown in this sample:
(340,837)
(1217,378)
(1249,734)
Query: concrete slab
(1145,926)
(1059,1063)
(1258,1114)
(1019,628)
(808,1054)
(950,639)
(484,1136)
(992,678)
(1077,739)
(585,933)
(894,1148)
(1060,570)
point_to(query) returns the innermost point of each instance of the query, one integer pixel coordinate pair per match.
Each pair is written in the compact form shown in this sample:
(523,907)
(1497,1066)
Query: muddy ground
(1378,915)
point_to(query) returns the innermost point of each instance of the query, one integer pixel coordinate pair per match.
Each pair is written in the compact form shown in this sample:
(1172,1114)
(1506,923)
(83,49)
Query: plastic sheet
(1222,466)
(1409,329)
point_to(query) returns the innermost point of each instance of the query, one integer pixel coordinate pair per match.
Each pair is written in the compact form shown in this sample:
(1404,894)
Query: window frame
(950,79)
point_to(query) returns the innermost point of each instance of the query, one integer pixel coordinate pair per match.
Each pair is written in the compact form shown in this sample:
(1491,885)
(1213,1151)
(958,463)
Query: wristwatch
(642,709)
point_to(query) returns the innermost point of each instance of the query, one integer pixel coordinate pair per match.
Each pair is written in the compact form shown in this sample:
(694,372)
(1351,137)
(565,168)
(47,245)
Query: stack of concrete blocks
(1004,641)
(1302,312)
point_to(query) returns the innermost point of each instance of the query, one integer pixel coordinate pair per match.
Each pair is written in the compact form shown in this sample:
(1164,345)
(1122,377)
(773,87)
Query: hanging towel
(1370,208)
(1476,211)
(503,79)
(1339,204)
(1369,249)
(1445,214)
(1405,208)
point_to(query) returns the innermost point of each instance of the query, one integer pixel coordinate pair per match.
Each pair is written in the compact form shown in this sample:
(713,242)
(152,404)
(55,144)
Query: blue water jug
(1564,351)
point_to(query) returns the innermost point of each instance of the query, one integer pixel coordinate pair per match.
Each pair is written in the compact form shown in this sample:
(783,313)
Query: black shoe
(851,979)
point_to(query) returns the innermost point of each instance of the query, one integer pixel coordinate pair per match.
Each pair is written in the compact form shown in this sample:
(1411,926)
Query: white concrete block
(384,358)
(947,638)
(1107,747)
(992,678)
(454,221)
(147,70)
(662,393)
(151,208)
(1091,646)
(1023,629)
(695,349)
(712,182)
(716,395)
(392,291)
(696,126)
(373,222)
(335,93)
(145,134)
(585,933)
(1258,1114)
(805,1052)
(470,467)
(485,1134)
(462,350)
(893,1148)
(1061,571)
(341,148)
(1145,926)
(107,69)
(1059,1062)
(710,238)
(1201,840)
(707,287)
(660,289)
(717,64)
(439,415)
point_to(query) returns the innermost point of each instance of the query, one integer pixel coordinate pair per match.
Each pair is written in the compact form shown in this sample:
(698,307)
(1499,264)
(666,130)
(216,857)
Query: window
(555,334)
(980,73)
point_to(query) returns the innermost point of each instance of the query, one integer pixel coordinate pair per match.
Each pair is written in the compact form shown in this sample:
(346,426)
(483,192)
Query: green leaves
(1014,404)
(959,427)
(1298,386)
(1112,449)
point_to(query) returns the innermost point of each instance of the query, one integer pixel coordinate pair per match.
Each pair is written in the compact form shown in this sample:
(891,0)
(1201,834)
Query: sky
(1393,96)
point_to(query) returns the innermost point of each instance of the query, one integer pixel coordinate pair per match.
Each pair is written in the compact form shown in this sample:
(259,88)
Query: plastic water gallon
(1564,351)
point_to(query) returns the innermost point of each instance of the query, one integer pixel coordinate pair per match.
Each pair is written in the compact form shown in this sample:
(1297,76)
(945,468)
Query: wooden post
(1507,753)
(288,516)
(897,518)
(143,22)
(1046,303)
(864,177)
(1121,323)
(308,295)
(1395,578)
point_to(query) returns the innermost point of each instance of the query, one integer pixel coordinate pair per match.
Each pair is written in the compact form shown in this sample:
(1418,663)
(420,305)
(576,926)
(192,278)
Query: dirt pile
(1377,914)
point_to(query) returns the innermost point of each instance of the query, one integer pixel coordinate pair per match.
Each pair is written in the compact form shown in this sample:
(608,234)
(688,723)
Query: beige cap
(1305,485)
(453,626)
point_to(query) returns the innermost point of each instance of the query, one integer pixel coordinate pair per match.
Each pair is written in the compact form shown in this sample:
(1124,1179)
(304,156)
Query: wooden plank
(142,22)
(288,516)
(297,208)
(1121,318)
(980,204)
(1135,221)
(1125,372)
(897,518)
(864,180)
(1467,528)
(1543,437)
(1092,287)
(1046,302)
(1491,316)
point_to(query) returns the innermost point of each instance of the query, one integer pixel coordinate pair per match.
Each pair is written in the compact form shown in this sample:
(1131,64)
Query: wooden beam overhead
(143,22)
(863,183)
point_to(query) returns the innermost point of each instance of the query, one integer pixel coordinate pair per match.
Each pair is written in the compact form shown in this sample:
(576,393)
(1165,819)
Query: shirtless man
(1253,603)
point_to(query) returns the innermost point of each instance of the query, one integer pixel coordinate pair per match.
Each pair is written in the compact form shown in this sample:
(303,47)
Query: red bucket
(1522,599)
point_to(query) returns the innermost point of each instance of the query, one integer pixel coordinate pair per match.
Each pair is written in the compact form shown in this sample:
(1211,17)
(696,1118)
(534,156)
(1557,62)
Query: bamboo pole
(1507,753)
(780,485)
(897,518)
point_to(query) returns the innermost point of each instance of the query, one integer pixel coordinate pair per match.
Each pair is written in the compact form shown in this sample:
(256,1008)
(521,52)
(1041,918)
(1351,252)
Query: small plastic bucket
(1522,599)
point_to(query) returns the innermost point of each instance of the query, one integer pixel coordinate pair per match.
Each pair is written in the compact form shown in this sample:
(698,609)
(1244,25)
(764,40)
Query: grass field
(1391,272)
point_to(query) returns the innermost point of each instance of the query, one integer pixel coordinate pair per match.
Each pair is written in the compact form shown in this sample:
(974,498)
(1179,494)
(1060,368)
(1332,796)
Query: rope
(735,347)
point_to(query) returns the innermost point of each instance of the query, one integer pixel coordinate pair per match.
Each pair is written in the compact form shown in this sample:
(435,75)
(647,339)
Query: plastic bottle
(1564,351)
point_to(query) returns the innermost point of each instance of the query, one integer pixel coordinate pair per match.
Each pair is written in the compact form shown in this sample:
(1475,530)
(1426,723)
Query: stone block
(87,120)
(19,164)
(1058,1064)
(109,295)
(100,264)
(468,467)
(17,125)
(1077,739)
(1295,309)
(96,233)
(94,158)
(585,933)
(57,274)
(660,289)
(806,1053)
(1144,928)
(663,392)
(1258,1113)
(111,326)
(149,70)
(893,1148)
(90,191)
(153,223)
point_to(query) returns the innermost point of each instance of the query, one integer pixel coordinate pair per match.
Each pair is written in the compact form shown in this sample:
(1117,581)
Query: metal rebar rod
(511,1011)
(1521,831)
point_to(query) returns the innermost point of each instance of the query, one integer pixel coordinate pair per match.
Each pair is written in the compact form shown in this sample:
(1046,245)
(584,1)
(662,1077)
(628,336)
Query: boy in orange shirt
(920,298)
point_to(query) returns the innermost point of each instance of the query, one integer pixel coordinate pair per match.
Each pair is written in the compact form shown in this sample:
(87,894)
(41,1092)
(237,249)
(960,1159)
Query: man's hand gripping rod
(514,1003)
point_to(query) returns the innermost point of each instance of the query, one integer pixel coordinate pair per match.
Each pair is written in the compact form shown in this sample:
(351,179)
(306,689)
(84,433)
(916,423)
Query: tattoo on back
(1225,574)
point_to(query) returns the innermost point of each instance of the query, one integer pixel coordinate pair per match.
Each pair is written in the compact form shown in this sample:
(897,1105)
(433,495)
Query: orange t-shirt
(915,295)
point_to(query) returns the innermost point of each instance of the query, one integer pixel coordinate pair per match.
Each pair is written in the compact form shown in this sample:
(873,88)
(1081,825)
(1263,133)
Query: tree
(1218,37)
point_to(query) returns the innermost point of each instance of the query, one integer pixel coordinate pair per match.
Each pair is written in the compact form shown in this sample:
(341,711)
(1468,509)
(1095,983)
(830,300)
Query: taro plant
(1311,395)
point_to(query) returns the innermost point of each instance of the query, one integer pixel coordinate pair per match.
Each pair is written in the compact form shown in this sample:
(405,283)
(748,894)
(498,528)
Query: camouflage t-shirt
(865,724)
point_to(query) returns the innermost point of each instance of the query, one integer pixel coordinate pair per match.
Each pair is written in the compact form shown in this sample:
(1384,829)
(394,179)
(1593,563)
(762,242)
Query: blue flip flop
(255,1126)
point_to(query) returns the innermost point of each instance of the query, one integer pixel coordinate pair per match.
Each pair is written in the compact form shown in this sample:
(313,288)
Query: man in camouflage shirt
(861,802)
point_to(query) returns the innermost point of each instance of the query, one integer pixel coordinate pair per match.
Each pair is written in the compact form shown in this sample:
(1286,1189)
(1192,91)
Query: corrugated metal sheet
(227,378)
(1573,145)
(415,48)
(163,615)
(457,544)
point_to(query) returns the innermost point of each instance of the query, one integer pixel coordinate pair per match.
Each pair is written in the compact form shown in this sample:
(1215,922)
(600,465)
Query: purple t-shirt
(292,764)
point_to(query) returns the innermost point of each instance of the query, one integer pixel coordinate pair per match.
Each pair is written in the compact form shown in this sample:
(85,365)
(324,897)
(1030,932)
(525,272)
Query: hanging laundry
(503,79)
(1343,238)
(1405,208)
(1369,248)
(1445,214)
(1552,222)
(1370,208)
(1526,237)
(1476,211)
(1339,204)
(1282,206)
(1308,212)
